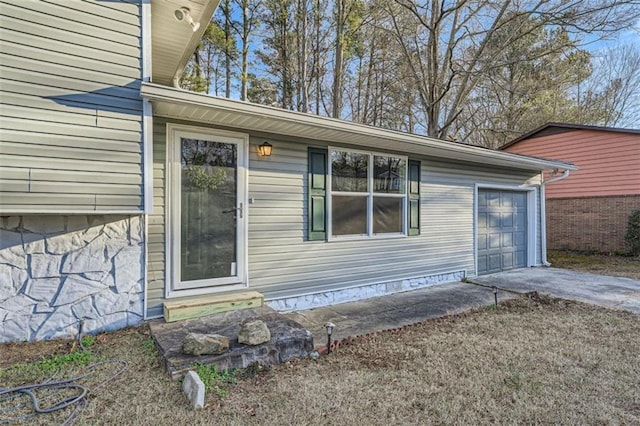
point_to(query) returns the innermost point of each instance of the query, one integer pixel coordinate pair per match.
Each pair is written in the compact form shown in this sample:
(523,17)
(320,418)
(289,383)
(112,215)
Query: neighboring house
(589,210)
(120,192)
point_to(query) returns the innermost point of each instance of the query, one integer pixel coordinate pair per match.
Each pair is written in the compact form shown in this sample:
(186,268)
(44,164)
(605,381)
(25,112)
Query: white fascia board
(287,120)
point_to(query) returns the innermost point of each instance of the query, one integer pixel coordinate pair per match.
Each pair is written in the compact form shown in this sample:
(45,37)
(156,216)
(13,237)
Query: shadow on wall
(117,99)
(58,272)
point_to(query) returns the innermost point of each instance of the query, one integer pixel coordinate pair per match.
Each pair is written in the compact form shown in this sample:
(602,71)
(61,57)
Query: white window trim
(369,195)
(172,213)
(532,218)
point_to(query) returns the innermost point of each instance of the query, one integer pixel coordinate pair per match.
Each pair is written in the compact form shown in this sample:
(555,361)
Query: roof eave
(295,124)
(174,42)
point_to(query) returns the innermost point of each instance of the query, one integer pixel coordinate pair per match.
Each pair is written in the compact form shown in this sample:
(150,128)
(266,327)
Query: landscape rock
(254,332)
(205,344)
(193,387)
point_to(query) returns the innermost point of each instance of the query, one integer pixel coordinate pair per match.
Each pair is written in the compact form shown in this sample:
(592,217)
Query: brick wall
(589,224)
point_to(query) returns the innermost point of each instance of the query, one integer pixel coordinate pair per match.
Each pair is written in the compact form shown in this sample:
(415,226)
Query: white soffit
(173,42)
(180,104)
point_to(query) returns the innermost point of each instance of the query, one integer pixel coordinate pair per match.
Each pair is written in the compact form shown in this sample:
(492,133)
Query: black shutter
(413,202)
(317,211)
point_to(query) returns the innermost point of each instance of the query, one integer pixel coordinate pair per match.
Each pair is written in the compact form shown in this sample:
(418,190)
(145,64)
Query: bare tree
(446,43)
(614,86)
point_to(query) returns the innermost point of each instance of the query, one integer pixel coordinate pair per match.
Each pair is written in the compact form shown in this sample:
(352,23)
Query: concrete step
(202,306)
(289,340)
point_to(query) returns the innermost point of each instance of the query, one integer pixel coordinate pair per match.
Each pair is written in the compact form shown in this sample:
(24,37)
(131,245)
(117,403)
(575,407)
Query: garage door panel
(493,199)
(482,263)
(495,261)
(494,220)
(482,200)
(520,200)
(482,220)
(501,230)
(506,199)
(507,219)
(507,260)
(494,241)
(482,242)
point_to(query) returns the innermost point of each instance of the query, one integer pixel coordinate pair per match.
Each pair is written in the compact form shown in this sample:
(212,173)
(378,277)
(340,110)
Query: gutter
(543,208)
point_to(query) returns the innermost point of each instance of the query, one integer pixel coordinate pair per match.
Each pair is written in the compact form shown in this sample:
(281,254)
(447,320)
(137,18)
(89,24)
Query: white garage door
(502,230)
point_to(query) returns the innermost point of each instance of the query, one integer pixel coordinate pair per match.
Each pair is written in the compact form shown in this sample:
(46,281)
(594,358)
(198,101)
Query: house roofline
(570,127)
(181,104)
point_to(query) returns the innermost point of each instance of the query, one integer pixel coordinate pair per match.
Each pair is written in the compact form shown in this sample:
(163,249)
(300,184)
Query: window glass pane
(349,171)
(207,206)
(389,174)
(387,215)
(349,215)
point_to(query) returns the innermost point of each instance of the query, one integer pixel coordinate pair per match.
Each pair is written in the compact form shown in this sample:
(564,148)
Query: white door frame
(532,218)
(172,210)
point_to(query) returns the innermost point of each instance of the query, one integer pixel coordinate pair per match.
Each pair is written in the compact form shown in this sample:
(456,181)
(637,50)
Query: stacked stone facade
(60,275)
(590,224)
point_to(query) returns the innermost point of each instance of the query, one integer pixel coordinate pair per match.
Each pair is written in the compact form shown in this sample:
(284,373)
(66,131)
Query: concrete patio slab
(394,311)
(602,290)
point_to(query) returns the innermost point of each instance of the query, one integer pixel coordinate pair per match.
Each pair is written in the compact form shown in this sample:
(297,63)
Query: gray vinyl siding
(71,128)
(281,260)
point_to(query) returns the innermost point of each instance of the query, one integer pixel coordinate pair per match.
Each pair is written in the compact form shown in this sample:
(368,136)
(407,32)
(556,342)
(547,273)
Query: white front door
(207,210)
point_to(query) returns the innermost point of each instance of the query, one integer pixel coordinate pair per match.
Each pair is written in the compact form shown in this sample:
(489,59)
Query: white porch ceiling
(173,42)
(180,104)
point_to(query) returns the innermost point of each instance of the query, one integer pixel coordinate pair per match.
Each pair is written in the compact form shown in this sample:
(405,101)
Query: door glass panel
(208,209)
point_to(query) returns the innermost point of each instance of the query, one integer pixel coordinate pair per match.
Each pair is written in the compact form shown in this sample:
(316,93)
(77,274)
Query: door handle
(237,209)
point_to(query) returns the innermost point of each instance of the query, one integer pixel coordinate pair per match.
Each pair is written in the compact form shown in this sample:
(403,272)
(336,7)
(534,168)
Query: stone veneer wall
(589,223)
(57,272)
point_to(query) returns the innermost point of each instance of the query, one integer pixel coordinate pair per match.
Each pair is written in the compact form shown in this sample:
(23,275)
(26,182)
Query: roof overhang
(172,41)
(180,104)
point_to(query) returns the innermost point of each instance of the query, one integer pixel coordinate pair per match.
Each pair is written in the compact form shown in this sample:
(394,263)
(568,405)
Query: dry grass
(619,266)
(529,361)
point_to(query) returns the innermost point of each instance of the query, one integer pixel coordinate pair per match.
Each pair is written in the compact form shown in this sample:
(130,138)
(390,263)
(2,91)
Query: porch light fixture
(184,14)
(264,150)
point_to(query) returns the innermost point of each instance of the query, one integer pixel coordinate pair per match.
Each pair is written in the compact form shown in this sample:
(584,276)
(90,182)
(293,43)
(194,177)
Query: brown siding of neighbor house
(589,223)
(609,162)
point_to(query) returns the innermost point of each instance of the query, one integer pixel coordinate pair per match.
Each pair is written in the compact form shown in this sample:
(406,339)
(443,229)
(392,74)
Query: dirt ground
(528,361)
(618,266)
